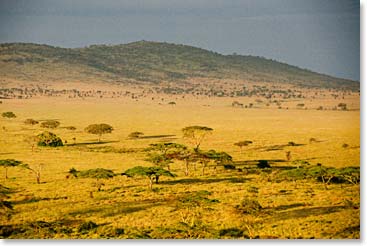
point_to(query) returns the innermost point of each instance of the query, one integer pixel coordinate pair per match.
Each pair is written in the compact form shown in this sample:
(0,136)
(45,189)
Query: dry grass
(290,210)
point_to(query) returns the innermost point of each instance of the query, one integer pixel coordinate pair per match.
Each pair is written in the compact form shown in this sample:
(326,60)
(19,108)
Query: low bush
(30,122)
(49,139)
(8,115)
(50,124)
(249,206)
(87,226)
(98,173)
(263,164)
(231,233)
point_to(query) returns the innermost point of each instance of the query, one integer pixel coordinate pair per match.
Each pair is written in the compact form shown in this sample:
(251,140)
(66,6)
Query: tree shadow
(254,162)
(7,153)
(303,212)
(37,199)
(92,143)
(347,232)
(28,230)
(157,136)
(205,181)
(289,206)
(168,139)
(119,208)
(276,147)
(47,119)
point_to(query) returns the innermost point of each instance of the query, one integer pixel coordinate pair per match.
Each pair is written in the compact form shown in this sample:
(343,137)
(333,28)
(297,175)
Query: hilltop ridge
(150,62)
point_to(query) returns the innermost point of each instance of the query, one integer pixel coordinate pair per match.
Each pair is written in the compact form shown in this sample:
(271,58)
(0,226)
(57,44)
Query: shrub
(263,164)
(50,124)
(249,206)
(231,232)
(312,140)
(30,122)
(71,128)
(345,145)
(87,226)
(8,115)
(229,167)
(135,135)
(98,173)
(49,139)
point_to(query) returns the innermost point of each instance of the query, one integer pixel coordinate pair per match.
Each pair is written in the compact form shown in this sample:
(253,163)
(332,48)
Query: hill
(149,62)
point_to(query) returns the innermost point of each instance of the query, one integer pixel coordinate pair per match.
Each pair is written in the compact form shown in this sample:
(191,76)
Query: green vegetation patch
(98,173)
(49,139)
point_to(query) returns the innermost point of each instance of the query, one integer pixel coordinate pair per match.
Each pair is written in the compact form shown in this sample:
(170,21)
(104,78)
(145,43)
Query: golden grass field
(126,208)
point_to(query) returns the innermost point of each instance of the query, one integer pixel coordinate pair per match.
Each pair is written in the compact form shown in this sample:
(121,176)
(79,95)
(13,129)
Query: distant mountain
(149,62)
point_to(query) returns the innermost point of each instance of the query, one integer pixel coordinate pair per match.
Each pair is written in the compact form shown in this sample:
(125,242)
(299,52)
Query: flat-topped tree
(186,155)
(196,134)
(159,153)
(242,144)
(219,158)
(97,173)
(99,129)
(6,163)
(150,172)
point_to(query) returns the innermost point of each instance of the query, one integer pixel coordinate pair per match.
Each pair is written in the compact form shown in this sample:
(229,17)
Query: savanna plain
(295,175)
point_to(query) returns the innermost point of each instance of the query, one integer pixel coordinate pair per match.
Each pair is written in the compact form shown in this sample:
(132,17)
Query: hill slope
(149,62)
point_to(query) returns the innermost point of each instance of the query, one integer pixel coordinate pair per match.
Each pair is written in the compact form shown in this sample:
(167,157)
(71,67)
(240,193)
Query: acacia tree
(241,144)
(6,163)
(150,172)
(196,134)
(99,129)
(219,158)
(37,172)
(97,173)
(185,155)
(160,153)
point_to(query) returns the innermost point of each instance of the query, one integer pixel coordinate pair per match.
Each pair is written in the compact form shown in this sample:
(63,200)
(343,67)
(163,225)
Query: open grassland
(195,206)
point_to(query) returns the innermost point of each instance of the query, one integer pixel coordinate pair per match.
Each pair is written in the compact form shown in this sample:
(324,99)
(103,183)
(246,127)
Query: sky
(320,35)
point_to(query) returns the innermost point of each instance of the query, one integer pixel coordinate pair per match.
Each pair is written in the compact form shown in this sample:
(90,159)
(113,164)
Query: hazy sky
(321,35)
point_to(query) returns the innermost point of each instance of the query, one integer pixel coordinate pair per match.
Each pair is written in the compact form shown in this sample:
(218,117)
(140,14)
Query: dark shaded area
(92,143)
(348,231)
(205,181)
(120,208)
(304,212)
(156,136)
(167,139)
(7,153)
(289,206)
(276,147)
(38,229)
(48,120)
(37,199)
